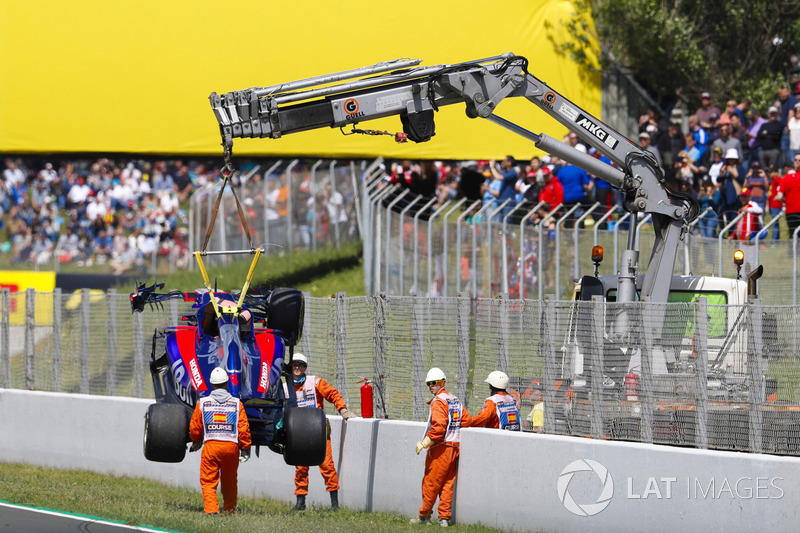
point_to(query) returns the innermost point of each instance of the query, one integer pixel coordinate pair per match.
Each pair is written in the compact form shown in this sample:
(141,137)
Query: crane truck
(413,92)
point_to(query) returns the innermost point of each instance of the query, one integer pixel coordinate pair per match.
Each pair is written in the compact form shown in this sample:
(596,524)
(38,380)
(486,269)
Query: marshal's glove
(424,443)
(244,455)
(346,414)
(196,446)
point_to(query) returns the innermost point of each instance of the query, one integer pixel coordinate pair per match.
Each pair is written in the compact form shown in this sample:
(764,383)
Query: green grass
(136,501)
(323,272)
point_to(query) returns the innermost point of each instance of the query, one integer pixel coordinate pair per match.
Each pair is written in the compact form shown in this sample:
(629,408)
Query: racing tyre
(166,428)
(305,436)
(285,313)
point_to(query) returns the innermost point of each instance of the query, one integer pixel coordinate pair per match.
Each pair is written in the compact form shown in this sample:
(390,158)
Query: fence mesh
(678,378)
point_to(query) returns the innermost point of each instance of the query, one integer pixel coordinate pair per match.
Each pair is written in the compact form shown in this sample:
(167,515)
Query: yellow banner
(98,76)
(20,281)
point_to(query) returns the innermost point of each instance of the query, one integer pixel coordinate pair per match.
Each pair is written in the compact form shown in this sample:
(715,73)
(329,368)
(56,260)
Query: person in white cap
(311,391)
(442,440)
(219,425)
(500,410)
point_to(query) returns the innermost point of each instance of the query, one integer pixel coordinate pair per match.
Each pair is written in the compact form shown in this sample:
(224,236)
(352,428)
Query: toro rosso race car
(247,334)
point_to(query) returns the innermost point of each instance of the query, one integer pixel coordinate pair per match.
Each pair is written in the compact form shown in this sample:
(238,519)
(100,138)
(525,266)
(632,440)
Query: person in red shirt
(501,410)
(442,440)
(775,206)
(219,424)
(311,391)
(553,191)
(790,194)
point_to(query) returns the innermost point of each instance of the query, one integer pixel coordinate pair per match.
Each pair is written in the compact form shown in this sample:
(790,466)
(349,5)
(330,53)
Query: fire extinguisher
(631,386)
(366,398)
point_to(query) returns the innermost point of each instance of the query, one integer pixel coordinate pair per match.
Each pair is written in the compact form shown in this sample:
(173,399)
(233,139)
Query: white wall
(507,481)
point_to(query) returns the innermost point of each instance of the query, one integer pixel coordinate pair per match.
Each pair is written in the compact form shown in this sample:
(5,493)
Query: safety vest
(507,412)
(307,395)
(220,420)
(454,413)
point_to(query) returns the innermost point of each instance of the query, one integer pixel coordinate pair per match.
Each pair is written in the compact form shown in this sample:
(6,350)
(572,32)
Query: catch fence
(680,379)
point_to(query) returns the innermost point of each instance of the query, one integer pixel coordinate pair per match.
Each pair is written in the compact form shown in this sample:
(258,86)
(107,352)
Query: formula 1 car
(247,334)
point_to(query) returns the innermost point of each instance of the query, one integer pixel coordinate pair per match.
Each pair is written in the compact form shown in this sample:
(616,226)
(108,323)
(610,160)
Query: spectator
(744,112)
(573,141)
(644,142)
(790,194)
(749,224)
(708,116)
(793,127)
(725,141)
(757,182)
(775,205)
(676,145)
(701,138)
(769,135)
(716,164)
(506,175)
(730,184)
(785,103)
(576,184)
(709,197)
(752,137)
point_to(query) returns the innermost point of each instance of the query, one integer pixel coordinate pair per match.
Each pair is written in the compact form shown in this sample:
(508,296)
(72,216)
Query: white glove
(346,414)
(424,443)
(244,455)
(196,446)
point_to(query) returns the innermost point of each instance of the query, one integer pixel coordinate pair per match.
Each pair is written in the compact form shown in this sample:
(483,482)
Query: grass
(136,501)
(321,272)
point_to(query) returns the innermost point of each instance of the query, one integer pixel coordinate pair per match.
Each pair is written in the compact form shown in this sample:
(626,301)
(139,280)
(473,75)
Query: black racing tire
(305,436)
(166,431)
(285,313)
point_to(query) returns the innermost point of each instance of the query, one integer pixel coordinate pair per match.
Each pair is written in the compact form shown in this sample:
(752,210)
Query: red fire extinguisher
(366,398)
(631,386)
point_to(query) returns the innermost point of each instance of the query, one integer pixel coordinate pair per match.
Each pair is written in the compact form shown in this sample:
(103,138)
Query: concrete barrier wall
(520,482)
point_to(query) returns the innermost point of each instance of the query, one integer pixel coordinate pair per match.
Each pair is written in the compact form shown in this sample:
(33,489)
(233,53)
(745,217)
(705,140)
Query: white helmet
(435,374)
(300,358)
(218,376)
(497,379)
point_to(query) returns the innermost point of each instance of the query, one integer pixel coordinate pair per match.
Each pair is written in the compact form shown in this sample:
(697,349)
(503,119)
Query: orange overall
(441,461)
(219,455)
(322,390)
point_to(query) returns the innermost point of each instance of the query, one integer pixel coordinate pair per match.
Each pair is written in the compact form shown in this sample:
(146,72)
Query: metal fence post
(86,312)
(401,235)
(138,355)
(522,248)
(575,243)
(545,220)
(462,347)
(548,322)
(596,353)
(5,346)
(111,364)
(340,337)
(647,315)
(559,222)
(388,246)
(701,371)
(755,373)
(425,207)
(379,301)
(445,259)
(30,338)
(459,239)
(503,302)
(56,356)
(418,357)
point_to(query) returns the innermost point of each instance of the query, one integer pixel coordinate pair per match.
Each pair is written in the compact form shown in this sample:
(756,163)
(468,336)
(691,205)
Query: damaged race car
(248,334)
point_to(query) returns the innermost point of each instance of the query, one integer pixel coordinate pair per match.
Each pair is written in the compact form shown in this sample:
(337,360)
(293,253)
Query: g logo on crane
(586,509)
(351,106)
